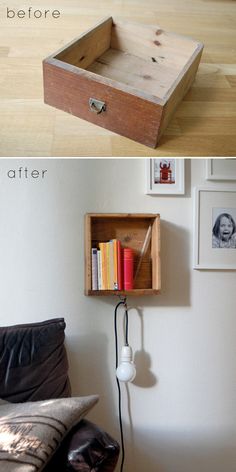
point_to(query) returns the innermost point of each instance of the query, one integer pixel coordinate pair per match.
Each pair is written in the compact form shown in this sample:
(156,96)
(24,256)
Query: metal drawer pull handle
(96,105)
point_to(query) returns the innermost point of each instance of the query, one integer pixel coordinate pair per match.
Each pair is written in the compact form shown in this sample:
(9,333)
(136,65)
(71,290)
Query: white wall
(180,416)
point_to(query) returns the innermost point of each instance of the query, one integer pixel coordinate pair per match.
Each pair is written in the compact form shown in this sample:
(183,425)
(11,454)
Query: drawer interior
(141,56)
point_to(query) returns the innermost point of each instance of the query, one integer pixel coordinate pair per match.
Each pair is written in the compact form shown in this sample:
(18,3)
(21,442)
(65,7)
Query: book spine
(119,265)
(94,269)
(128,268)
(111,265)
(107,270)
(115,265)
(103,265)
(99,262)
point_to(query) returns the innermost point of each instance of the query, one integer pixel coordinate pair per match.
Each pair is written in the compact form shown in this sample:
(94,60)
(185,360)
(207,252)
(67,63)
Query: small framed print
(215,228)
(165,176)
(221,169)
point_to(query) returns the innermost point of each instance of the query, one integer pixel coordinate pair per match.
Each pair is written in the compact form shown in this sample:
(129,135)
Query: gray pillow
(33,361)
(31,432)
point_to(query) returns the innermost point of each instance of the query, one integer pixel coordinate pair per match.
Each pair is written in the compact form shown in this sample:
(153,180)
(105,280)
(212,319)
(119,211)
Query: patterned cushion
(31,432)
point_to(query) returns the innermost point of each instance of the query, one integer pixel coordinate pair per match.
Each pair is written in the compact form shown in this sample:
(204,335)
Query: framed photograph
(165,176)
(215,228)
(221,169)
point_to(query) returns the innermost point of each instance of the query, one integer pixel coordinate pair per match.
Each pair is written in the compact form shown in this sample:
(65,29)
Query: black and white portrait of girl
(224,228)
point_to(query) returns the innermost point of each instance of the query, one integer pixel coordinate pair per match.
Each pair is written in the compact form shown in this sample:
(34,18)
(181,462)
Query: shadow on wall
(175,263)
(175,268)
(158,451)
(89,374)
(144,377)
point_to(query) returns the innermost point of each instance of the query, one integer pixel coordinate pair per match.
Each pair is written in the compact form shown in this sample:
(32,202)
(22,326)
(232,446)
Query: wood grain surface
(125,114)
(204,123)
(139,85)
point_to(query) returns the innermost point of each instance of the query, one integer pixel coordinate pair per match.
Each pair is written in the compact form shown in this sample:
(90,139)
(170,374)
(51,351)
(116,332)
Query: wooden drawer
(139,231)
(125,77)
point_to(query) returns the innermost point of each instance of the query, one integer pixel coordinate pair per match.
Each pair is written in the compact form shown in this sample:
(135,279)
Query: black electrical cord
(123,302)
(126,324)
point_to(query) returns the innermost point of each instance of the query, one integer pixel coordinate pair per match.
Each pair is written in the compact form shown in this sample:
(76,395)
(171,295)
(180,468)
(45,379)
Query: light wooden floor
(203,125)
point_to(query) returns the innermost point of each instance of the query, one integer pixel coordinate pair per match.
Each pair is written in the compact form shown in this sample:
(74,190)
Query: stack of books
(112,266)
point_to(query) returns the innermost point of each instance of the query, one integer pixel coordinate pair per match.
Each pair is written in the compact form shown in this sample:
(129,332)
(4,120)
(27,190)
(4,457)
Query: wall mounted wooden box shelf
(125,77)
(132,230)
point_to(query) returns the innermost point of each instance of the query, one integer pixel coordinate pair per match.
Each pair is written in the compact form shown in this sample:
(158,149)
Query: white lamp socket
(126,371)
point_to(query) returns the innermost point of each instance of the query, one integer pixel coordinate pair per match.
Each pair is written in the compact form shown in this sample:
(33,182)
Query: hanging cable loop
(123,302)
(123,299)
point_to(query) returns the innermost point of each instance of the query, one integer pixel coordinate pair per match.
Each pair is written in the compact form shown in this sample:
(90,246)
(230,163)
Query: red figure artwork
(165,173)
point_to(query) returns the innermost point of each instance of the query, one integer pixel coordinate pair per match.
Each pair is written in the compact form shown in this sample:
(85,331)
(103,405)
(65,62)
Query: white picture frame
(161,180)
(221,169)
(210,203)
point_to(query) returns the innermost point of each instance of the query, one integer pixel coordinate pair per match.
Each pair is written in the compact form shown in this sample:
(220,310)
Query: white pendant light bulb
(126,371)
